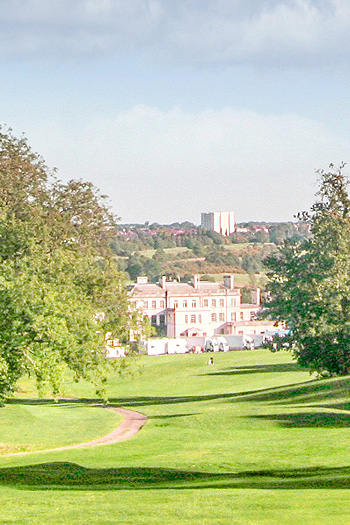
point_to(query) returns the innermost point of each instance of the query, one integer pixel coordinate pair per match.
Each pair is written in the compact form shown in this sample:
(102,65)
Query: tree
(309,281)
(60,289)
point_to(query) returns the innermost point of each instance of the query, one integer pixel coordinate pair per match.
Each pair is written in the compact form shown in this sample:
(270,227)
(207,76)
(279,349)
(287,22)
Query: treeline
(204,252)
(134,238)
(183,265)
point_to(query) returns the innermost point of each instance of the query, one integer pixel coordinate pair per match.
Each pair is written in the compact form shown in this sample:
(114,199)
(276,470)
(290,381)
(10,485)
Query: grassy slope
(250,440)
(27,425)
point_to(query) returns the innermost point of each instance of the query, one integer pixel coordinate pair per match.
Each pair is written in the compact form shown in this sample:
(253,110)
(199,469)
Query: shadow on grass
(317,390)
(308,419)
(171,416)
(70,476)
(61,403)
(257,369)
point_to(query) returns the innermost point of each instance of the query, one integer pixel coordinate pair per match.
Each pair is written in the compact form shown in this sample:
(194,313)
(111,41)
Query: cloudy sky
(173,107)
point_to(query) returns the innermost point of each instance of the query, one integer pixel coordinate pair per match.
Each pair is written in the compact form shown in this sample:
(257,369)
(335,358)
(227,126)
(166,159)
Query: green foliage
(252,263)
(60,289)
(309,281)
(220,256)
(246,295)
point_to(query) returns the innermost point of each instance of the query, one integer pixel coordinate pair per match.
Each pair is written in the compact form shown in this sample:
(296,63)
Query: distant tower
(219,221)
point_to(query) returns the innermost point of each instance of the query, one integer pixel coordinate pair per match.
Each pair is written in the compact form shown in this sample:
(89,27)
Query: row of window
(198,318)
(194,318)
(214,317)
(152,304)
(161,319)
(214,302)
(220,317)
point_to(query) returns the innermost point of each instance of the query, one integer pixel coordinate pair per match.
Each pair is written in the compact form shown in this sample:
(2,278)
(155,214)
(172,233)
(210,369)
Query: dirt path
(131,424)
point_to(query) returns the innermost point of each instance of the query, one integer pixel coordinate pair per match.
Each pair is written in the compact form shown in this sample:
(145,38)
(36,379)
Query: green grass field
(250,440)
(243,279)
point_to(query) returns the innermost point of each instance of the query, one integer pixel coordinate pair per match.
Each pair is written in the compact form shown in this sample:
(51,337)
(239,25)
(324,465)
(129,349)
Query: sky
(177,107)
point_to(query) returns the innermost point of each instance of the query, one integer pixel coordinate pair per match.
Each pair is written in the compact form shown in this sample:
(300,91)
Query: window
(199,318)
(233,302)
(213,317)
(193,318)
(184,304)
(176,304)
(194,304)
(205,302)
(233,317)
(162,304)
(252,316)
(241,316)
(154,319)
(213,302)
(145,304)
(162,319)
(222,302)
(154,304)
(186,319)
(222,317)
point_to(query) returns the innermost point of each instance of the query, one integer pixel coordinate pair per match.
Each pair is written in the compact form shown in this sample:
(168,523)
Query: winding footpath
(131,424)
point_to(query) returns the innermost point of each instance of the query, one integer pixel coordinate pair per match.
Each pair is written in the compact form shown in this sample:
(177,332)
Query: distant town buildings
(199,308)
(219,221)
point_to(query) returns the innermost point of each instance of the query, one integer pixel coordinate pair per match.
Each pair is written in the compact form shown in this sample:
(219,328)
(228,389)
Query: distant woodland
(181,250)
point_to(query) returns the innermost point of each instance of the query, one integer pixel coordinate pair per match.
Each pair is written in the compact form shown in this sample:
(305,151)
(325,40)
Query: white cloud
(166,166)
(205,31)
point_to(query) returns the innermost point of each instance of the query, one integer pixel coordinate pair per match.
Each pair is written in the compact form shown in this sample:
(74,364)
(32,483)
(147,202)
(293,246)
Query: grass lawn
(244,279)
(28,425)
(250,440)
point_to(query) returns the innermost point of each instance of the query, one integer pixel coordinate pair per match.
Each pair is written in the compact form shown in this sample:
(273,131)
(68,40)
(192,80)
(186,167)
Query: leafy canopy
(309,280)
(60,290)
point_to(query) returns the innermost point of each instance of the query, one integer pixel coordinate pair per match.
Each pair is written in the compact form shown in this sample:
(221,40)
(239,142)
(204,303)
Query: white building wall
(203,311)
(219,221)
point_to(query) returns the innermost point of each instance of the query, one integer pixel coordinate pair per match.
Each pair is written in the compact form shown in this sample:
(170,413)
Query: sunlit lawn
(243,279)
(252,439)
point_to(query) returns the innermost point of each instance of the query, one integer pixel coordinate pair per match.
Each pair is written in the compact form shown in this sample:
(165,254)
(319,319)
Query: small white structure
(156,346)
(211,345)
(114,352)
(177,346)
(194,342)
(166,345)
(235,342)
(223,344)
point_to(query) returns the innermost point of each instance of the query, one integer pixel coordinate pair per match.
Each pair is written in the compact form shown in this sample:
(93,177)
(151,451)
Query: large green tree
(60,290)
(309,281)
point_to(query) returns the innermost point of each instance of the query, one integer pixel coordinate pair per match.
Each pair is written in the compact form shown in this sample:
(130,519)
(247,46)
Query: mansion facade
(199,308)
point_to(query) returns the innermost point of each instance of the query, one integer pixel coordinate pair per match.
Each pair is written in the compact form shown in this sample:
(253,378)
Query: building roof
(147,289)
(178,288)
(186,289)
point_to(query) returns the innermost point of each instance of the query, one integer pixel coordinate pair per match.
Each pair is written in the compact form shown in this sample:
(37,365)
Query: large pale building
(219,221)
(198,308)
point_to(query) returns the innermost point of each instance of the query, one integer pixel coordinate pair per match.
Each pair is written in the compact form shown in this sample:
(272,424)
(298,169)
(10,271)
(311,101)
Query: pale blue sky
(174,107)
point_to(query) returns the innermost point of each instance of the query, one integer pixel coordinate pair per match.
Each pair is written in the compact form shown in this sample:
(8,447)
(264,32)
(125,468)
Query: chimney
(163,281)
(142,280)
(196,282)
(229,282)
